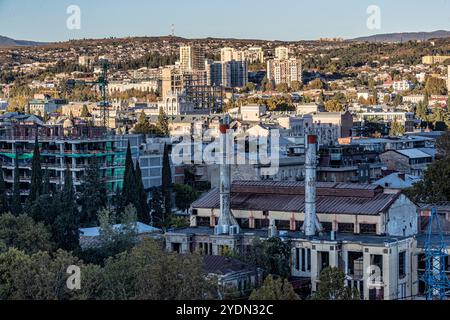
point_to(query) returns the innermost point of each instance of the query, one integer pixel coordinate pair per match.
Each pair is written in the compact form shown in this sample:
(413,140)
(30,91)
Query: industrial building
(367,232)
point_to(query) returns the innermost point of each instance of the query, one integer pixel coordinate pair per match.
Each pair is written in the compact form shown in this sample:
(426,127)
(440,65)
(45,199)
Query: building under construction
(367,232)
(68,146)
(194,86)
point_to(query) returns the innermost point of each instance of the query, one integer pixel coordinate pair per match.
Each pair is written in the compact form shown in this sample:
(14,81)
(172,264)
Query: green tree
(166,186)
(163,123)
(334,106)
(143,274)
(158,213)
(272,255)
(274,289)
(296,86)
(143,126)
(3,195)
(67,223)
(397,129)
(184,196)
(16,202)
(143,210)
(434,187)
(129,189)
(116,240)
(23,233)
(435,86)
(332,286)
(94,195)
(36,173)
(442,145)
(422,111)
(41,276)
(283,88)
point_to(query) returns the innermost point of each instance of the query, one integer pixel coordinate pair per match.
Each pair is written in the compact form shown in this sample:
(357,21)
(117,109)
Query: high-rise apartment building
(284,71)
(254,55)
(192,58)
(231,73)
(282,53)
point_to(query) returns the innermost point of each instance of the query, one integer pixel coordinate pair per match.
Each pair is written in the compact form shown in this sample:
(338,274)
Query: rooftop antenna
(173,30)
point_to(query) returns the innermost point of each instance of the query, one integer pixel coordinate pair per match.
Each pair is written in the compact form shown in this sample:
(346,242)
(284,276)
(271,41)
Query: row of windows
(244,223)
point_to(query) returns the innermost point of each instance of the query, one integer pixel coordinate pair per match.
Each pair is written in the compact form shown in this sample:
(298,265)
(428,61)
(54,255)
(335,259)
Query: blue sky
(45,20)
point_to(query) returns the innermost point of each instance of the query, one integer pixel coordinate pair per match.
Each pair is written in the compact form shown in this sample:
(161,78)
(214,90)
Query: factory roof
(263,233)
(332,198)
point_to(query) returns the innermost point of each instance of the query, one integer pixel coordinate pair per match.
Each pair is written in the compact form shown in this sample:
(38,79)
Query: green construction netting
(24,156)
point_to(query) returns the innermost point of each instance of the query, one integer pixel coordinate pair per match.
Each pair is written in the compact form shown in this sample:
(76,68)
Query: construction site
(66,147)
(388,248)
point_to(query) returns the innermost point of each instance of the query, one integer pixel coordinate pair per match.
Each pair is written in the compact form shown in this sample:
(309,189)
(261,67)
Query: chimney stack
(227,224)
(311,225)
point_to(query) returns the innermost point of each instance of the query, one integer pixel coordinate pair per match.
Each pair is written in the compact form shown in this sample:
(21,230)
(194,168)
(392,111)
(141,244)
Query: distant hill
(405,36)
(8,42)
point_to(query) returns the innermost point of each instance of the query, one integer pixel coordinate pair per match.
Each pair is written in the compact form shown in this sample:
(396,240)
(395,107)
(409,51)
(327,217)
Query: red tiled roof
(332,198)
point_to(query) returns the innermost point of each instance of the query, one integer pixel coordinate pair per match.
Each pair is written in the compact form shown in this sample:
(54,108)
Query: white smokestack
(227,224)
(311,225)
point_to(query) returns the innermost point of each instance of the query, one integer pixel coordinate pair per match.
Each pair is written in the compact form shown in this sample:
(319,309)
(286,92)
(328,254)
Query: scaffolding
(202,95)
(435,278)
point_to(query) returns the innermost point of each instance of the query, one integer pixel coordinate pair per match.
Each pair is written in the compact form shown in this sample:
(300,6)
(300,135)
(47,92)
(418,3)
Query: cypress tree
(142,207)
(94,195)
(3,198)
(163,123)
(129,180)
(166,187)
(158,217)
(16,203)
(36,174)
(67,223)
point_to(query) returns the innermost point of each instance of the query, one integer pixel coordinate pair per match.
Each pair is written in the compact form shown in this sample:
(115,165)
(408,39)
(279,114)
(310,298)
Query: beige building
(284,71)
(282,53)
(192,58)
(434,59)
(172,81)
(368,234)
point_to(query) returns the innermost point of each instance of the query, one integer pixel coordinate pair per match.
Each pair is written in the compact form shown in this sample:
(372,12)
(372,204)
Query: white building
(253,113)
(403,85)
(3,105)
(282,53)
(143,86)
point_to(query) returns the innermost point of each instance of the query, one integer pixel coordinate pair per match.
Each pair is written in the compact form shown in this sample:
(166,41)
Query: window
(203,221)
(283,225)
(346,227)
(368,228)
(327,226)
(402,265)
(297,259)
(261,223)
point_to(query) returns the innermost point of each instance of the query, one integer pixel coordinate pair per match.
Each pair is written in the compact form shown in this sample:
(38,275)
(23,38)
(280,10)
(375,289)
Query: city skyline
(46,20)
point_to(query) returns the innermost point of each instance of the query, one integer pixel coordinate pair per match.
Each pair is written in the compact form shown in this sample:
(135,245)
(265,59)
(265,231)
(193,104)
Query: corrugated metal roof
(271,196)
(414,153)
